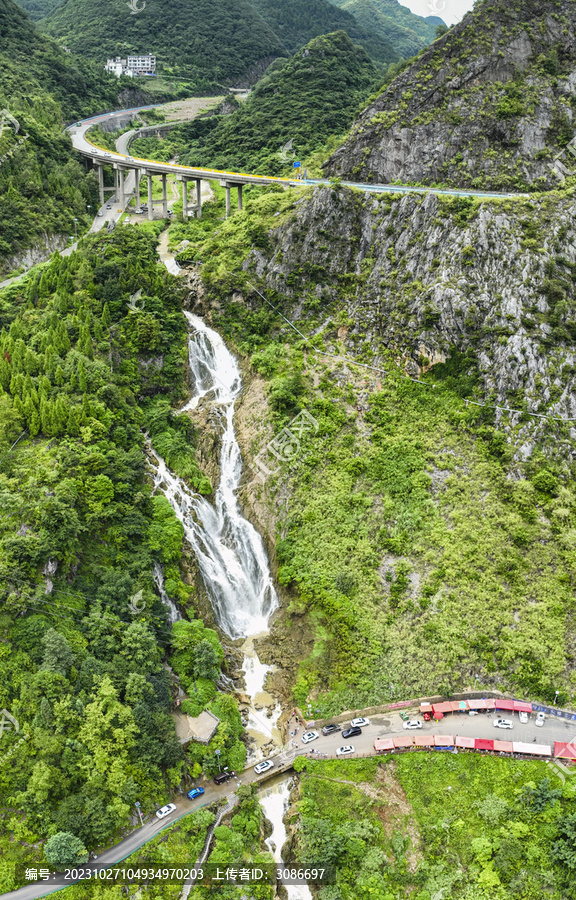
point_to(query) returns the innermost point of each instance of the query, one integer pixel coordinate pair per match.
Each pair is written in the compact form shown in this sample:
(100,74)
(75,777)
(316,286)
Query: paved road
(83,145)
(383,725)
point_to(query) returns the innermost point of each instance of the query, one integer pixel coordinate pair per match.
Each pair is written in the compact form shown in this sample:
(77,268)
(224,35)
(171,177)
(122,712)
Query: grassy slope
(415,558)
(465,826)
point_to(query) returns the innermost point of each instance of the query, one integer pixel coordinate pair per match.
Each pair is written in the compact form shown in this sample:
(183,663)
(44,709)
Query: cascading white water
(229,550)
(171,608)
(274,799)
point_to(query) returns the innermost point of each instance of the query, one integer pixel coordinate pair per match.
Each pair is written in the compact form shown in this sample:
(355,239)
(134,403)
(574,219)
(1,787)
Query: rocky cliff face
(429,278)
(488,105)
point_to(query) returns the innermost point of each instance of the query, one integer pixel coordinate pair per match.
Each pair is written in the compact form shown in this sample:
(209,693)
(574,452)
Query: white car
(309,736)
(263,767)
(540,718)
(165,811)
(503,723)
(523,716)
(412,723)
(359,723)
(344,751)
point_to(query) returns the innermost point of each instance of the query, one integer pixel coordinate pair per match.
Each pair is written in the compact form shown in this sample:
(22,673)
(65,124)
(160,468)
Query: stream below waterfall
(274,799)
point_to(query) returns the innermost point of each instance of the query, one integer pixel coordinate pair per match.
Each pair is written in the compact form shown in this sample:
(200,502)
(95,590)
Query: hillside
(488,105)
(81,376)
(305,100)
(203,40)
(43,187)
(37,9)
(406,32)
(414,520)
(298,21)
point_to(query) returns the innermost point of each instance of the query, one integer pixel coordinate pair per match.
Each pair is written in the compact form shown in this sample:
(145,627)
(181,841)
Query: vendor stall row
(562,749)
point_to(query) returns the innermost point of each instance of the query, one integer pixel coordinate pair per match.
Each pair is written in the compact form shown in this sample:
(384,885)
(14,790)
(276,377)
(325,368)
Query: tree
(65,849)
(206,662)
(58,654)
(564,849)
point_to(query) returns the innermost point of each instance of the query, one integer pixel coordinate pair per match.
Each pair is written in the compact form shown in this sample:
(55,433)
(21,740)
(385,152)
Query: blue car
(195,792)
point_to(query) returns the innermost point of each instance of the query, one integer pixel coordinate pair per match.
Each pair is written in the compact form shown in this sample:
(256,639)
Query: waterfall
(229,550)
(171,608)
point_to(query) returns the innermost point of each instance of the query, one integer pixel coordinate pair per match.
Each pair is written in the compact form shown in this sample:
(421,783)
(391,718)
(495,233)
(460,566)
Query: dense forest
(206,40)
(296,22)
(81,378)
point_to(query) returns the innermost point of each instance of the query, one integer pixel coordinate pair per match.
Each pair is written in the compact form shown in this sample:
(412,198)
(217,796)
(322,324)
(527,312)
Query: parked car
(331,729)
(540,719)
(361,722)
(165,811)
(412,723)
(223,776)
(503,723)
(344,751)
(195,792)
(309,736)
(263,767)
(351,732)
(523,716)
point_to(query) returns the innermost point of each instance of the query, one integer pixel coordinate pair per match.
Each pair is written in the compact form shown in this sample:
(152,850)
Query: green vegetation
(414,557)
(43,188)
(465,826)
(240,844)
(296,22)
(204,41)
(408,33)
(83,373)
(304,100)
(37,9)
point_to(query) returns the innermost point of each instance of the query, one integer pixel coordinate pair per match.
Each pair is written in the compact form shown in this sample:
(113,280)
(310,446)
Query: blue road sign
(296,165)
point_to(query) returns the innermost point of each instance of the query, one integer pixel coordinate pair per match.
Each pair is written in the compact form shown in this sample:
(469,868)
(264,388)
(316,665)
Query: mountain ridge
(487,105)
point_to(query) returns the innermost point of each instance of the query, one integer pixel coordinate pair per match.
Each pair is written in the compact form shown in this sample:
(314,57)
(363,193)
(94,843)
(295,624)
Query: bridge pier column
(227,199)
(101,183)
(184,199)
(164,197)
(240,196)
(150,201)
(137,177)
(198,198)
(121,187)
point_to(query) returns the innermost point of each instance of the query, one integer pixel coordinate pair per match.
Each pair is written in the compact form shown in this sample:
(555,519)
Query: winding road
(388,725)
(81,143)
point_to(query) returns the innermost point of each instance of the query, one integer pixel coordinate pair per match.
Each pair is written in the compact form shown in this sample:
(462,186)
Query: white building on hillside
(132,65)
